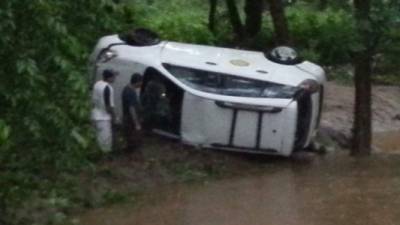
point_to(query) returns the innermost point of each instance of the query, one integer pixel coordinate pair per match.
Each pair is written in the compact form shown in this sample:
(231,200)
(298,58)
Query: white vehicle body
(211,120)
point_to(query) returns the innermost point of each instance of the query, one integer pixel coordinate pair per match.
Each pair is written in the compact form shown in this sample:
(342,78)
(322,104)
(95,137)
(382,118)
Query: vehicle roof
(223,60)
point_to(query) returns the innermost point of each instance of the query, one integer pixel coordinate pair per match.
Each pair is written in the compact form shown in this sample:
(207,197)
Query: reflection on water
(335,190)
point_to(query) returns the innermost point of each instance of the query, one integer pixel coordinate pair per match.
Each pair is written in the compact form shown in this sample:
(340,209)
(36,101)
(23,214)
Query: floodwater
(334,189)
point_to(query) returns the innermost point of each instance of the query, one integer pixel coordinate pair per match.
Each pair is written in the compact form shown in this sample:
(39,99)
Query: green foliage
(44,126)
(387,79)
(342,74)
(172,22)
(385,38)
(326,37)
(4,133)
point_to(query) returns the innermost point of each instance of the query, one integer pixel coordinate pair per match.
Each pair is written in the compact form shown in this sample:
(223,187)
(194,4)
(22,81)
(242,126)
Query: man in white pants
(103,115)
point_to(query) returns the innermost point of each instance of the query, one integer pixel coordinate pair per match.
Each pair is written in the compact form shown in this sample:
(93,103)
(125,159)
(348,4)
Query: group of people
(103,112)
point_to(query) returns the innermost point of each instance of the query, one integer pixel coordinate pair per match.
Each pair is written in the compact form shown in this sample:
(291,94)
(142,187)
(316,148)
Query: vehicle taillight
(310,86)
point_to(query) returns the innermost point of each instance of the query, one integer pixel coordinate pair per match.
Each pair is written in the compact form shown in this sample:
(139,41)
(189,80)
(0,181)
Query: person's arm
(107,101)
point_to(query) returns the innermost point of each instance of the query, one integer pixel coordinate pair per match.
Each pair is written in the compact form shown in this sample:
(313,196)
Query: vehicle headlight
(280,91)
(106,55)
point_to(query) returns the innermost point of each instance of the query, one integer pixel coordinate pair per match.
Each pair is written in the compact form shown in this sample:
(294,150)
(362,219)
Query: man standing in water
(131,109)
(103,114)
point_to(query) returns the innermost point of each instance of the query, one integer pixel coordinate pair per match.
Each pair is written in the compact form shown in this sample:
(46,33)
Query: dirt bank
(337,114)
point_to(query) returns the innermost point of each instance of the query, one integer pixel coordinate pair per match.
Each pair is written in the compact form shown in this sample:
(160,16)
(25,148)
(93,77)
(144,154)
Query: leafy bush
(172,21)
(325,36)
(387,60)
(44,126)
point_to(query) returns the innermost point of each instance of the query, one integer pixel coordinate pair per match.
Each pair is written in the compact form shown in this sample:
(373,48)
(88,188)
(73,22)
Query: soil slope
(337,114)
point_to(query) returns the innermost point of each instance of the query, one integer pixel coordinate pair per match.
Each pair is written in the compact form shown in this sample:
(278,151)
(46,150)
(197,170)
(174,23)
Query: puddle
(387,142)
(331,191)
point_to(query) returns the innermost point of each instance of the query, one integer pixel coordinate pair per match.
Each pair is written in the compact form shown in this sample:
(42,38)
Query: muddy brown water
(334,189)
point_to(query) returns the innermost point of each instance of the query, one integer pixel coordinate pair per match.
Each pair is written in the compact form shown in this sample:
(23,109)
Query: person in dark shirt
(131,110)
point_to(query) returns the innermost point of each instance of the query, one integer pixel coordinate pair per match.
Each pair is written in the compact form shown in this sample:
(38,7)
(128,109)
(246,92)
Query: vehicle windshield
(224,84)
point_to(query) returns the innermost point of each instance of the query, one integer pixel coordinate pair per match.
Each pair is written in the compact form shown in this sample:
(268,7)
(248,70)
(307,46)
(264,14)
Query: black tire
(140,37)
(284,55)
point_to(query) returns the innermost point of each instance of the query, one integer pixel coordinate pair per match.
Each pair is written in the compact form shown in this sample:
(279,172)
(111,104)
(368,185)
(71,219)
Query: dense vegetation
(45,135)
(44,127)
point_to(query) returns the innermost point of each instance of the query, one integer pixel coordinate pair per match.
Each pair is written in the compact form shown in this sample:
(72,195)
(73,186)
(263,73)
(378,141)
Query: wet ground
(322,190)
(339,106)
(334,189)
(387,142)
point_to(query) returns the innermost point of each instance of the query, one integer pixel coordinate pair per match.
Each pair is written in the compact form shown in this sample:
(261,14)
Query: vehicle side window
(231,85)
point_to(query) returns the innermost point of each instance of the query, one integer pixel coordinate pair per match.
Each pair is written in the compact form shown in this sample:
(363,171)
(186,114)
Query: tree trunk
(211,16)
(280,23)
(253,10)
(362,78)
(234,18)
(362,110)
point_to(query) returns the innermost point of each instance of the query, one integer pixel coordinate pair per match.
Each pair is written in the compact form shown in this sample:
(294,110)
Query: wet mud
(335,189)
(338,110)
(387,142)
(330,190)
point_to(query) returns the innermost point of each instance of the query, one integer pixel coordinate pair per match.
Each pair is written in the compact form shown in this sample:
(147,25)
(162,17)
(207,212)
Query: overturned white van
(266,103)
